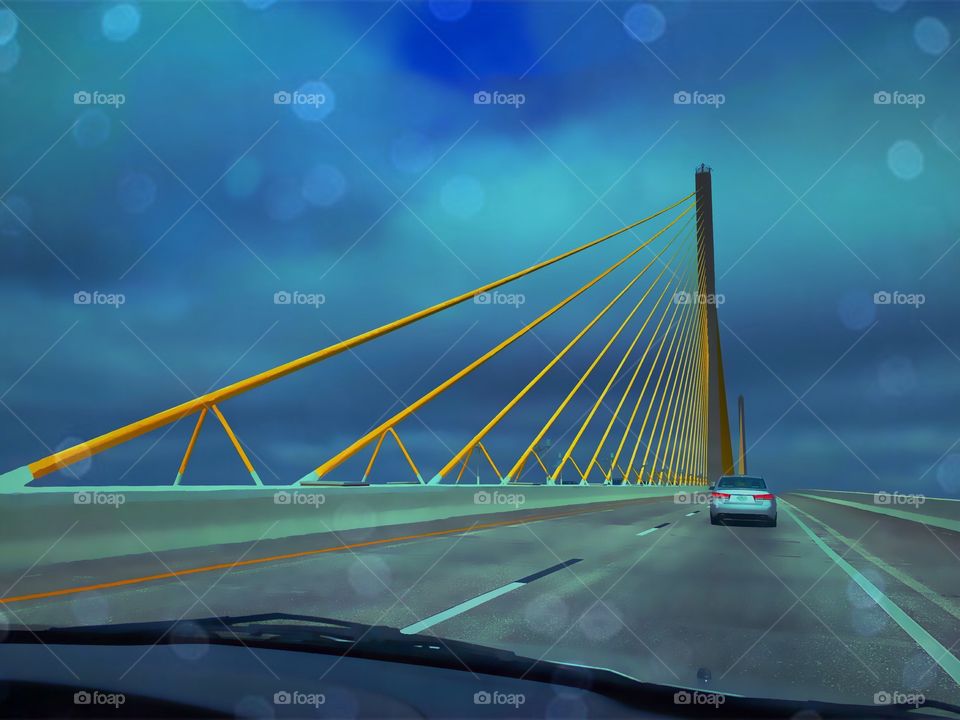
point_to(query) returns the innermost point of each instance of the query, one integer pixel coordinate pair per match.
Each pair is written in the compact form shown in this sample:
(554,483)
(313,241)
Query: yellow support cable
(236,444)
(677,442)
(668,397)
(512,473)
(680,412)
(684,441)
(646,382)
(553,361)
(679,405)
(348,452)
(193,441)
(692,458)
(699,437)
(673,347)
(127,432)
(606,389)
(623,396)
(705,423)
(556,358)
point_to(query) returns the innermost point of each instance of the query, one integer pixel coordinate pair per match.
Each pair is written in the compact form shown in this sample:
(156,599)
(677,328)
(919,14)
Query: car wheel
(714,520)
(773,523)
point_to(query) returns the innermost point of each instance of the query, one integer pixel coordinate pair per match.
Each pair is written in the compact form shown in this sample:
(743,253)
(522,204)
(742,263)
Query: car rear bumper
(765,510)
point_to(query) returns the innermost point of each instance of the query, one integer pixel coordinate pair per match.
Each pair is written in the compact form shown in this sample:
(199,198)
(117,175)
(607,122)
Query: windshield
(450,317)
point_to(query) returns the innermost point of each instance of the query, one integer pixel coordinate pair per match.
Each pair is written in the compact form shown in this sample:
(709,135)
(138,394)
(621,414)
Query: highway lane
(646,588)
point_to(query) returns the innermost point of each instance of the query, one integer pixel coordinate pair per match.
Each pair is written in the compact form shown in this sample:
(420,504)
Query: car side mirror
(712,488)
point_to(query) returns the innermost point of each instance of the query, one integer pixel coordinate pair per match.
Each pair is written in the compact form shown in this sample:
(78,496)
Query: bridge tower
(719,451)
(742,449)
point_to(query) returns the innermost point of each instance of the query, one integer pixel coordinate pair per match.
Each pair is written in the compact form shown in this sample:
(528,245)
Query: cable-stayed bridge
(669,425)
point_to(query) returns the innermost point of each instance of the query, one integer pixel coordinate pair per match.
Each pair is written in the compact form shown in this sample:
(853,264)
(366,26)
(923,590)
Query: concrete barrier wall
(52,527)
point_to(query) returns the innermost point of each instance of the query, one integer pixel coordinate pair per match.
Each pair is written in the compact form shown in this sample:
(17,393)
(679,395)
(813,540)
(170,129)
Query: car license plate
(742,498)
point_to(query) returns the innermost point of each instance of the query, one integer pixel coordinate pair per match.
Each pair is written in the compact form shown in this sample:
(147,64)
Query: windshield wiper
(305,633)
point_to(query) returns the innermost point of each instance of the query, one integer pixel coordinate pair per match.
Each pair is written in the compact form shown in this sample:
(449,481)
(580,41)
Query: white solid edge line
(930,645)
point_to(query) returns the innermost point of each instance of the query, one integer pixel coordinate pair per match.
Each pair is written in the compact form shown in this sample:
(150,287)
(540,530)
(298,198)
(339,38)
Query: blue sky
(198,198)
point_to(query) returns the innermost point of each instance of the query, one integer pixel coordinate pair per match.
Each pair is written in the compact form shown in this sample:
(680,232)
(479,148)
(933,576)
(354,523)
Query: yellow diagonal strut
(360,443)
(127,432)
(236,444)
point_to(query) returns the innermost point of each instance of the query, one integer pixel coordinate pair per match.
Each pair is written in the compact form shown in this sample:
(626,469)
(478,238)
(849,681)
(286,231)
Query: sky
(181,163)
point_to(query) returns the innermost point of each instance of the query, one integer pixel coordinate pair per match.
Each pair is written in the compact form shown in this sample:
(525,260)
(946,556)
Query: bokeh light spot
(856,310)
(243,179)
(92,129)
(645,22)
(948,474)
(313,101)
(412,153)
(8,25)
(14,214)
(450,10)
(324,185)
(905,159)
(9,55)
(931,35)
(120,22)
(889,5)
(284,201)
(462,196)
(136,192)
(897,375)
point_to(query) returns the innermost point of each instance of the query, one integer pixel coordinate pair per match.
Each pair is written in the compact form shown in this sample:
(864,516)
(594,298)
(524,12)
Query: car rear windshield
(744,483)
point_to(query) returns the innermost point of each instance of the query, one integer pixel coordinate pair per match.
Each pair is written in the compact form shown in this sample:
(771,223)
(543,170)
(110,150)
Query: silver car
(742,497)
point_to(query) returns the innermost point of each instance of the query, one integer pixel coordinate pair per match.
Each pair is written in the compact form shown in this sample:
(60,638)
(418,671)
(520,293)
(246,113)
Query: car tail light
(721,495)
(764,496)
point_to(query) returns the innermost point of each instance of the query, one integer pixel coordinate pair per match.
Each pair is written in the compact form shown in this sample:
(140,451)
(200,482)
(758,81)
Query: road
(646,587)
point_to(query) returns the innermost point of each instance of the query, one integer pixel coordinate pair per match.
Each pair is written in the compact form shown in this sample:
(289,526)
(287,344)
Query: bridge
(593,545)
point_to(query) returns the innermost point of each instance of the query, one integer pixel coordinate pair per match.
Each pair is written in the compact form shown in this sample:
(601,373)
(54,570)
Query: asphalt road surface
(836,603)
